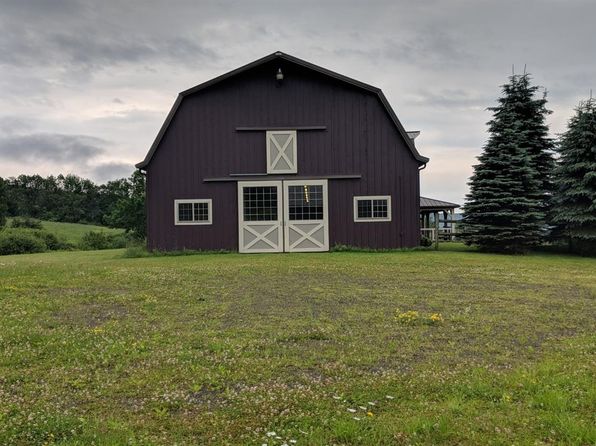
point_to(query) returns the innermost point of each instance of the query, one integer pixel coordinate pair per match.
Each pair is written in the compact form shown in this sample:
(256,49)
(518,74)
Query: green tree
(505,209)
(3,202)
(574,204)
(129,211)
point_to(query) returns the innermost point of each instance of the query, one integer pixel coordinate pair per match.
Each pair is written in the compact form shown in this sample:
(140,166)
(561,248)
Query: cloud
(51,147)
(79,73)
(111,171)
(89,51)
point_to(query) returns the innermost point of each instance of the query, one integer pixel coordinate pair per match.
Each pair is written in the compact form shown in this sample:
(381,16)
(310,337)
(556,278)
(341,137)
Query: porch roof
(432,204)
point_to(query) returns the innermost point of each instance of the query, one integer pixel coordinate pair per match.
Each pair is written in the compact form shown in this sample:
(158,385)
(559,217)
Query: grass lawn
(224,349)
(73,232)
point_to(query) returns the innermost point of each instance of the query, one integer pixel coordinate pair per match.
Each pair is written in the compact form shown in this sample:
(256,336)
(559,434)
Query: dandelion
(436,318)
(370,414)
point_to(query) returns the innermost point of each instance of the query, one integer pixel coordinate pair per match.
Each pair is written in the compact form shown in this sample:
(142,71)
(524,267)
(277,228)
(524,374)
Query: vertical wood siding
(202,142)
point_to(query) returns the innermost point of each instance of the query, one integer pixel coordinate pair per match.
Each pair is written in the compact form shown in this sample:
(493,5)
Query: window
(281,151)
(373,208)
(260,203)
(305,202)
(192,212)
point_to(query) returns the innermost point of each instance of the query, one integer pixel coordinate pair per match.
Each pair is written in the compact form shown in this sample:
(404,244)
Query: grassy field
(73,232)
(100,349)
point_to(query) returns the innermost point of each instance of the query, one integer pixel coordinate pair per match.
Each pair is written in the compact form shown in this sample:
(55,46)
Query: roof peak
(278,54)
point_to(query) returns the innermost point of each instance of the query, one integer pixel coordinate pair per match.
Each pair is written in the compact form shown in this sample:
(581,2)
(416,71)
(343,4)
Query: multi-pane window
(305,202)
(260,203)
(192,212)
(372,208)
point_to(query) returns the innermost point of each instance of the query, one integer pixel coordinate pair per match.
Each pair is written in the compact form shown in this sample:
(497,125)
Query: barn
(282,155)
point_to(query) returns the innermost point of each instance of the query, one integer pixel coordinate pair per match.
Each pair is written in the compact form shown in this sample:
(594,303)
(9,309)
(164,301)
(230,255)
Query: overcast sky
(85,85)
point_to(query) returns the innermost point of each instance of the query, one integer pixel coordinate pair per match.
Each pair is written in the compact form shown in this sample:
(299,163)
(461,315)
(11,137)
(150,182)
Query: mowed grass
(73,232)
(226,349)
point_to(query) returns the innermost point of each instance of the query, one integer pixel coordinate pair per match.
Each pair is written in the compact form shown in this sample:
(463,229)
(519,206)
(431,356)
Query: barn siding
(201,142)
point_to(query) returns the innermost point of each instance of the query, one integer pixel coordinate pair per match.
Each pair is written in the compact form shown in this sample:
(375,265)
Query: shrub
(102,240)
(20,242)
(426,242)
(26,222)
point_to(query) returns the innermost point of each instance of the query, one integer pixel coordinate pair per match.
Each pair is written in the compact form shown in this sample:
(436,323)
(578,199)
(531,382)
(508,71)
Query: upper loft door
(306,219)
(260,216)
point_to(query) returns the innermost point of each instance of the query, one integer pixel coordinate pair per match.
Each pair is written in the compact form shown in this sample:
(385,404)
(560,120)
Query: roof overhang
(279,55)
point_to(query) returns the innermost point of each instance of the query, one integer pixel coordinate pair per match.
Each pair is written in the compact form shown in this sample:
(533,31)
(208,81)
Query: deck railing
(444,233)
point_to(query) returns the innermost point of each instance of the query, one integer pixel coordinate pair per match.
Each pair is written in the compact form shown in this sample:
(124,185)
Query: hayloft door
(306,220)
(260,216)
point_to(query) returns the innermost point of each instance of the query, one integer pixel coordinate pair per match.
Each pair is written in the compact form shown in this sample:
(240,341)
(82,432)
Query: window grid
(193,211)
(379,208)
(259,203)
(372,208)
(305,202)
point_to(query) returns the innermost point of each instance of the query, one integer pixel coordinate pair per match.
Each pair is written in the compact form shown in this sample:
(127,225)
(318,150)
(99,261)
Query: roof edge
(278,54)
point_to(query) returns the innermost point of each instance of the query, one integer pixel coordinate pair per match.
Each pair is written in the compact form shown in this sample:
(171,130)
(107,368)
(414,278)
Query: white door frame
(295,225)
(248,225)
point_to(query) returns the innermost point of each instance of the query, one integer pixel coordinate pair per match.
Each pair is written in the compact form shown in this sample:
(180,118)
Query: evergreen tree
(3,203)
(574,207)
(505,209)
(531,110)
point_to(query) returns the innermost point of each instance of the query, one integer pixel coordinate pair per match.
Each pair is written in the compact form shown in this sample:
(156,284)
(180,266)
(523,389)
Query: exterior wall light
(279,76)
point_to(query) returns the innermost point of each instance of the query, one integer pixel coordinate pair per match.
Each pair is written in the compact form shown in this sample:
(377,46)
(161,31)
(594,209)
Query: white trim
(242,225)
(372,197)
(295,224)
(193,200)
(281,151)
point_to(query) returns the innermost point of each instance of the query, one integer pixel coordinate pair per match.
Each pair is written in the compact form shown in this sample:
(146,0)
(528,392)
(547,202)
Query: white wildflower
(351,410)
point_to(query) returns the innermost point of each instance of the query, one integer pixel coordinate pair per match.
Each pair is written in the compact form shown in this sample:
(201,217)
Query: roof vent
(413,135)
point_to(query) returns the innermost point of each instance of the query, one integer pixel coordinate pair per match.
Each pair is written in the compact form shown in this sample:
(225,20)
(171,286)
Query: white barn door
(260,216)
(306,219)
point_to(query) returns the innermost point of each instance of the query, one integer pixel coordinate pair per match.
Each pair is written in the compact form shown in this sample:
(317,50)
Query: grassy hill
(73,232)
(226,349)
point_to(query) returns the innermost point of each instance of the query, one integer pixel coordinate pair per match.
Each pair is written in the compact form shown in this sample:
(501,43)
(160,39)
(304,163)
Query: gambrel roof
(279,55)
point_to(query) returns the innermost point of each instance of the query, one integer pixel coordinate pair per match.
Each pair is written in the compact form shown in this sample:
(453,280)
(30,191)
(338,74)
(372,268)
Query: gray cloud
(111,171)
(90,50)
(80,72)
(52,147)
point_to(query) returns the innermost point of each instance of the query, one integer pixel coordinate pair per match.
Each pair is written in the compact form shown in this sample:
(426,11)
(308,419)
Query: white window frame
(293,139)
(194,200)
(370,198)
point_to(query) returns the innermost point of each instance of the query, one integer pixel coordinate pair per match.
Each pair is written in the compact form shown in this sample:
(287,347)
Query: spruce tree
(505,209)
(574,204)
(531,110)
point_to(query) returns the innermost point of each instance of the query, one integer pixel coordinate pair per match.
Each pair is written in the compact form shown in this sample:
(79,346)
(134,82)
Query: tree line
(529,189)
(69,198)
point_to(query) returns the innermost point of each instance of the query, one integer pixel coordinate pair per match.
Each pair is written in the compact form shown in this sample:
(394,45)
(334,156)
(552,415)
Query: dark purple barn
(282,155)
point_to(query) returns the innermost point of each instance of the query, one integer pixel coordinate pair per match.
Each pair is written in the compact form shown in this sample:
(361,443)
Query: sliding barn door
(260,216)
(306,219)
